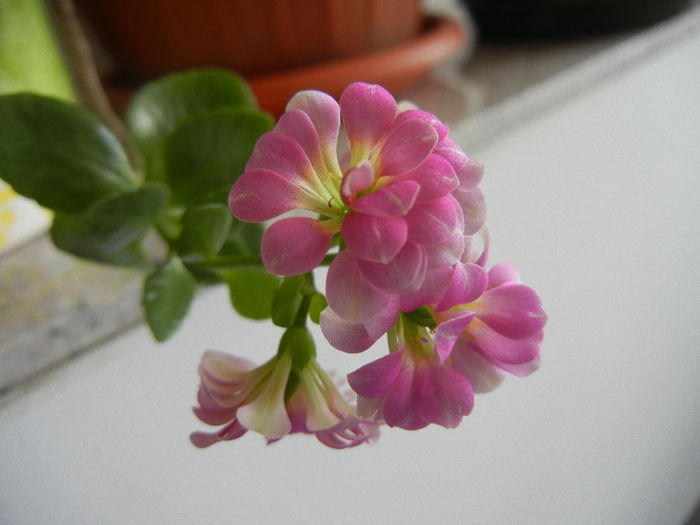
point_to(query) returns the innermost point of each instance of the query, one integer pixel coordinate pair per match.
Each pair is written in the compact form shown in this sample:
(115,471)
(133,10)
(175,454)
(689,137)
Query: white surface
(20,219)
(596,203)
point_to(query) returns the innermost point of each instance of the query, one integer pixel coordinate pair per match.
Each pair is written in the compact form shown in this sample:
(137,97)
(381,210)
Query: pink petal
(407,147)
(205,439)
(441,129)
(375,378)
(400,407)
(355,180)
(474,208)
(324,113)
(267,414)
(280,153)
(259,195)
(298,125)
(225,367)
(368,112)
(294,246)
(502,273)
(436,222)
(435,177)
(389,201)
(377,325)
(440,265)
(482,375)
(349,294)
(374,238)
(341,334)
(443,395)
(467,283)
(452,153)
(471,173)
(522,369)
(446,334)
(430,291)
(493,345)
(514,310)
(403,273)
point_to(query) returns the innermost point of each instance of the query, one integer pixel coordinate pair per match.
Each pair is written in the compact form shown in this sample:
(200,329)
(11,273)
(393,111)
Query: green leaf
(58,154)
(318,304)
(74,234)
(120,220)
(167,294)
(252,292)
(206,154)
(161,106)
(204,230)
(243,239)
(289,298)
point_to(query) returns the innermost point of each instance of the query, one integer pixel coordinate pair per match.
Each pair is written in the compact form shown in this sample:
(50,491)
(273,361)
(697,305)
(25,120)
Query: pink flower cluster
(386,185)
(391,183)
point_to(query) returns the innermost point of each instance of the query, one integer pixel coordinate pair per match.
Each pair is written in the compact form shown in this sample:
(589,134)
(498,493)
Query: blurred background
(586,114)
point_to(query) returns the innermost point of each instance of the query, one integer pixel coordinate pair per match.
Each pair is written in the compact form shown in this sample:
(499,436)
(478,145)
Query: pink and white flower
(414,386)
(505,333)
(431,377)
(241,397)
(389,182)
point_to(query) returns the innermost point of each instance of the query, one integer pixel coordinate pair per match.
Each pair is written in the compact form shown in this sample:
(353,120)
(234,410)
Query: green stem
(231,262)
(300,319)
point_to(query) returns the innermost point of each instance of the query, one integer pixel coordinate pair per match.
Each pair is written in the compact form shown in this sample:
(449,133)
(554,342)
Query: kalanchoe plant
(376,190)
(194,130)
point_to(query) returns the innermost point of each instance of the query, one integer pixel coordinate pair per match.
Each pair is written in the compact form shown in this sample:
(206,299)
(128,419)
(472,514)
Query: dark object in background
(532,19)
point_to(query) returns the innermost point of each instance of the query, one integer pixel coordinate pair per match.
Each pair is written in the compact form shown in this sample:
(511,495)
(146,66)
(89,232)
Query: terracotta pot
(396,68)
(253,37)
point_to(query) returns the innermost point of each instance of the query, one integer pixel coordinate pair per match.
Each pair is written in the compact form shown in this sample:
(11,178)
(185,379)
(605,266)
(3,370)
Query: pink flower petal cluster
(390,183)
(505,334)
(432,378)
(241,397)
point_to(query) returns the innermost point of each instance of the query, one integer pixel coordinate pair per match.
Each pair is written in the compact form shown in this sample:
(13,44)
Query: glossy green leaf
(318,304)
(289,299)
(167,294)
(206,154)
(74,234)
(120,220)
(252,292)
(243,239)
(58,154)
(204,230)
(163,105)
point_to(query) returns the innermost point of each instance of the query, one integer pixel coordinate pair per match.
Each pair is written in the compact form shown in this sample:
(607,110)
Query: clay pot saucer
(396,68)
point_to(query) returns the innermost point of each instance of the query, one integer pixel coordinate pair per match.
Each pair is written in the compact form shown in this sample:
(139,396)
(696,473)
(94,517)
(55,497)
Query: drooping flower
(288,394)
(318,407)
(389,182)
(414,386)
(236,394)
(431,377)
(505,333)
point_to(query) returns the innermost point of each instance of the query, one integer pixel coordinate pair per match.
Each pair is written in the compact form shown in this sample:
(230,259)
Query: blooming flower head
(431,376)
(290,393)
(388,183)
(413,386)
(505,333)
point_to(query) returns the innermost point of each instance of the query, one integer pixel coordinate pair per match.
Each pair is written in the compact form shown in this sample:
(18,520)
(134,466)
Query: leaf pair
(196,131)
